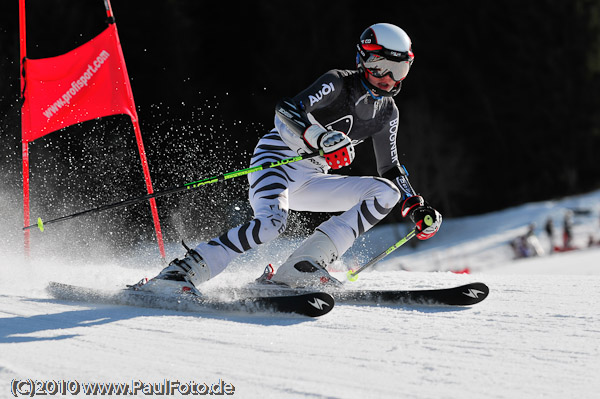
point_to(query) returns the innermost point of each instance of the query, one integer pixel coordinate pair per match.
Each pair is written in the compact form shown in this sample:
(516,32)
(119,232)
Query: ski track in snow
(537,335)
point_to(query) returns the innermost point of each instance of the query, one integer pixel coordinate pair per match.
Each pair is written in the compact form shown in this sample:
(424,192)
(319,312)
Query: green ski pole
(353,275)
(188,186)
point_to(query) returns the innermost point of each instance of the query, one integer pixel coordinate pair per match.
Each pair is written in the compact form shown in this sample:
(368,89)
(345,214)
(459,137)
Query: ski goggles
(380,67)
(380,62)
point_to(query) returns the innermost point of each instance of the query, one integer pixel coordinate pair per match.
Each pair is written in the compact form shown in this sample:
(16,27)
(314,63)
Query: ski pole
(188,186)
(353,275)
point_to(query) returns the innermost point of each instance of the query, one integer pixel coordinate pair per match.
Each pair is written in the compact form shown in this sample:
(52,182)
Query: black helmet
(384,49)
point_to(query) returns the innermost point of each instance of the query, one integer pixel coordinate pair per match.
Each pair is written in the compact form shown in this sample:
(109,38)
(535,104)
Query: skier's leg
(365,200)
(269,198)
(306,266)
(270,219)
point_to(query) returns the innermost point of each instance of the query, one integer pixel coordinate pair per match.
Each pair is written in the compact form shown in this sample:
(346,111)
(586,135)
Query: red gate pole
(25,144)
(153,207)
(138,138)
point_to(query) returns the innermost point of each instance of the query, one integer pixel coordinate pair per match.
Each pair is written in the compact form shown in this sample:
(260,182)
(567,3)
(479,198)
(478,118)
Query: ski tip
(320,303)
(310,304)
(473,293)
(40,224)
(481,286)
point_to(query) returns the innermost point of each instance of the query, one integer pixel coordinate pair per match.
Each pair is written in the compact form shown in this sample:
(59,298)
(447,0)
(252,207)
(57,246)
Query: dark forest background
(501,106)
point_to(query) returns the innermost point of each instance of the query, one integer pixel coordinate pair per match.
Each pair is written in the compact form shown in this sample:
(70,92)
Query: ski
(464,295)
(311,304)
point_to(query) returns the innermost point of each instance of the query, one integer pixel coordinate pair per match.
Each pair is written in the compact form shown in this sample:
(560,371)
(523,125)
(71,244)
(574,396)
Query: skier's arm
(399,175)
(323,92)
(293,112)
(427,220)
(293,115)
(336,146)
(386,155)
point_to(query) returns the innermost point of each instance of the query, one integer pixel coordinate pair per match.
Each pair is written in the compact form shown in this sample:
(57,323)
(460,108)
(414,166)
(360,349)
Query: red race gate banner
(86,83)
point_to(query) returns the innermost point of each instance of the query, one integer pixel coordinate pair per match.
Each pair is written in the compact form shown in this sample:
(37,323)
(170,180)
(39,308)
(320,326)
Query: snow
(537,335)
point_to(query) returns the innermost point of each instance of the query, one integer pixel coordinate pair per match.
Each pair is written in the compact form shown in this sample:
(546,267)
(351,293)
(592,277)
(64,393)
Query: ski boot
(179,277)
(305,267)
(266,277)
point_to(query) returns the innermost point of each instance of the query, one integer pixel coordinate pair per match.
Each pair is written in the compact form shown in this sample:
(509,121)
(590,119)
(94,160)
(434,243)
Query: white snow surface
(537,335)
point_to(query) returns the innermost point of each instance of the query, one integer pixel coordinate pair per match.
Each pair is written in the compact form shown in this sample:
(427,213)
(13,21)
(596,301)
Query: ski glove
(337,147)
(426,219)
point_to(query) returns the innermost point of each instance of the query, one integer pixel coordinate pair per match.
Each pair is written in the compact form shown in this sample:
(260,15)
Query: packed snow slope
(537,335)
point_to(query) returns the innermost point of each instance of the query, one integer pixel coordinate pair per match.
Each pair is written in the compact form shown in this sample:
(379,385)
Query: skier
(339,110)
(549,227)
(568,230)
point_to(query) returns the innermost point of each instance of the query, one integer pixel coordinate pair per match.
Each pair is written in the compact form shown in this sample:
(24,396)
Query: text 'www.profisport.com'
(31,388)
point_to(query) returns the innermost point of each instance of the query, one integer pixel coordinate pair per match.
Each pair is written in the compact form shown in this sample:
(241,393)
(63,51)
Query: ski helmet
(384,49)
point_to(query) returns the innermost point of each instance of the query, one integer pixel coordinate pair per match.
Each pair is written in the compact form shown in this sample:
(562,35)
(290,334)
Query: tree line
(500,107)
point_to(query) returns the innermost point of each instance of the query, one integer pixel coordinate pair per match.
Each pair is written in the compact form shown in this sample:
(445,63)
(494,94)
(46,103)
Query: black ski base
(311,304)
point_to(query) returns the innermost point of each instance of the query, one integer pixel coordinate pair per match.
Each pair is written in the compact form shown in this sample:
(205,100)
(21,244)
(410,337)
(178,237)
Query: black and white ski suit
(338,100)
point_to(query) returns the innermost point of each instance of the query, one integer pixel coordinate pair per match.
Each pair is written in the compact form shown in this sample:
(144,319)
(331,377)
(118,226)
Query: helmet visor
(380,67)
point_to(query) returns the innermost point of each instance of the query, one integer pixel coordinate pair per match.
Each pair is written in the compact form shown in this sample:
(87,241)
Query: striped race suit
(338,100)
